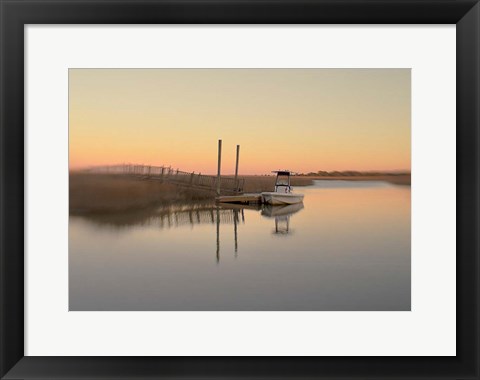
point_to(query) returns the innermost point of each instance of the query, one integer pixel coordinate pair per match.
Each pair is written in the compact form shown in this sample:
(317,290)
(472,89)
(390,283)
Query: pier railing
(228,185)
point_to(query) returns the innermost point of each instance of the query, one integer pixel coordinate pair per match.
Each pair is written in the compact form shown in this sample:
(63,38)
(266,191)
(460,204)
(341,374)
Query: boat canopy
(282,182)
(282,172)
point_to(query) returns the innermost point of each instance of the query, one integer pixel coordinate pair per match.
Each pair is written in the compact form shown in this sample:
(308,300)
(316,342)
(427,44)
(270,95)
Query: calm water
(347,248)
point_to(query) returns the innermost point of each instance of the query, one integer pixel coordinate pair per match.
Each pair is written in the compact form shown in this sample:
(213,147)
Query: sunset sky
(299,119)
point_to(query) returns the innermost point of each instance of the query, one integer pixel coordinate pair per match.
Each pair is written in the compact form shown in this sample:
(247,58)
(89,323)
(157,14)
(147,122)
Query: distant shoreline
(396,179)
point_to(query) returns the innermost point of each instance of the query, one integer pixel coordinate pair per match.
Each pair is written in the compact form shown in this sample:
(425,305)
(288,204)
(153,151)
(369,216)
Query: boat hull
(273,198)
(272,211)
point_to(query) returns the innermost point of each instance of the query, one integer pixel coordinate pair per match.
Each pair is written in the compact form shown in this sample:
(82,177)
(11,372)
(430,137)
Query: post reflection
(235,230)
(231,214)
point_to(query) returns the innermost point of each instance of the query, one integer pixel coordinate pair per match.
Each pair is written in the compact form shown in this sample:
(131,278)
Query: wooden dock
(253,198)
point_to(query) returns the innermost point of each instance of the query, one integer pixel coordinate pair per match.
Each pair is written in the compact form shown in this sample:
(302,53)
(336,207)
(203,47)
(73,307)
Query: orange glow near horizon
(303,120)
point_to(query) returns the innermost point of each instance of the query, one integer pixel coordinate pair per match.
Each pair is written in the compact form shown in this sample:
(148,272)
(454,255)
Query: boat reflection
(282,215)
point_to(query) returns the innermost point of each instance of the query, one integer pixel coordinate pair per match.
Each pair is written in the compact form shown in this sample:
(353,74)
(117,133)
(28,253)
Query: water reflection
(172,216)
(180,215)
(281,214)
(346,248)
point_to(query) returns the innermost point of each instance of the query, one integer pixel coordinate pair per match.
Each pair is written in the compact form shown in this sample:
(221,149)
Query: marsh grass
(99,193)
(396,179)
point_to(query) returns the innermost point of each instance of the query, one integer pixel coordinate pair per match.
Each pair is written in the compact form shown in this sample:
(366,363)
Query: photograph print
(239,189)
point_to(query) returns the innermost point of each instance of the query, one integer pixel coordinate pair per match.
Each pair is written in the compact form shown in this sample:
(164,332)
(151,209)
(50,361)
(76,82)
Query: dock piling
(236,167)
(219,165)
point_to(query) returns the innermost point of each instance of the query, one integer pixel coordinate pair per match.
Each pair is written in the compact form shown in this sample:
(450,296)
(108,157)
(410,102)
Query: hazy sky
(298,119)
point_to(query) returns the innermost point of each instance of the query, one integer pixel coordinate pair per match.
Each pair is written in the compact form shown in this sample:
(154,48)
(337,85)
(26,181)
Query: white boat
(282,195)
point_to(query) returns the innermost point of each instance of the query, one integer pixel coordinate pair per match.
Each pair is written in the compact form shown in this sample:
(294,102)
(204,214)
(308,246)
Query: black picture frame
(16,13)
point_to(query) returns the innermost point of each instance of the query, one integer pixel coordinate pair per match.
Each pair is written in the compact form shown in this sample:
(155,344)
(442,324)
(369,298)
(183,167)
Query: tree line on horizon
(351,173)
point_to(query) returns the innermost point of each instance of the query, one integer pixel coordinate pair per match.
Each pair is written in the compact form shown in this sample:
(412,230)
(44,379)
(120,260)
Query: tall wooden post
(236,168)
(219,165)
